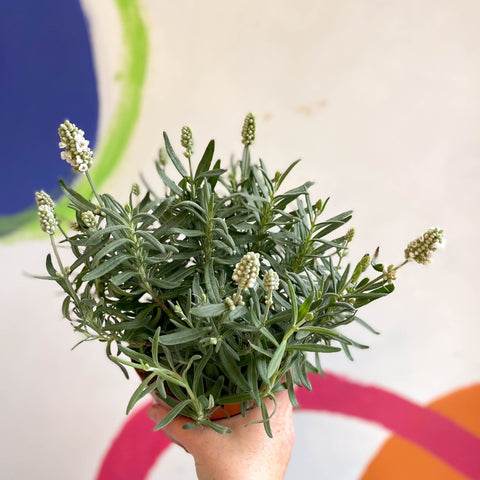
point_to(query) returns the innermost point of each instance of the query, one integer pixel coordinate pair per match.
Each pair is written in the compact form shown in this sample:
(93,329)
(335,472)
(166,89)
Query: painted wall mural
(438,441)
(50,66)
(50,78)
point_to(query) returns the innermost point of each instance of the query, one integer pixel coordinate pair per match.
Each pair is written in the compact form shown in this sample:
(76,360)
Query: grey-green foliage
(151,280)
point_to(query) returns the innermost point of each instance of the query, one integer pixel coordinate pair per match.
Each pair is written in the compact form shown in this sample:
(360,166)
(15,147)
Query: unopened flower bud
(248,130)
(349,235)
(246,271)
(136,189)
(230,304)
(389,274)
(89,219)
(271,281)
(46,215)
(162,156)
(420,250)
(187,141)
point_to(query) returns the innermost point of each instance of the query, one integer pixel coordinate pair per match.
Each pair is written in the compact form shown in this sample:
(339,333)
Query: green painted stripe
(120,130)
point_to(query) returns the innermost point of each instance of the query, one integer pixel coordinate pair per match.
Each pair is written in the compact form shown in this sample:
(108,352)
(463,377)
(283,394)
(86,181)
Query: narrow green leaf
(155,342)
(173,157)
(312,347)
(210,310)
(106,267)
(293,300)
(291,389)
(232,369)
(206,160)
(183,336)
(78,200)
(211,283)
(286,172)
(168,181)
(236,398)
(276,359)
(172,414)
(139,392)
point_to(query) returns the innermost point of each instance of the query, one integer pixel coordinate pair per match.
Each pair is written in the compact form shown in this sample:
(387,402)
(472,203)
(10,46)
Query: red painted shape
(426,428)
(137,447)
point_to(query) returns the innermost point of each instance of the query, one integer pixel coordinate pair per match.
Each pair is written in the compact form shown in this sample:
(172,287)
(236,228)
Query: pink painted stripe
(135,449)
(426,428)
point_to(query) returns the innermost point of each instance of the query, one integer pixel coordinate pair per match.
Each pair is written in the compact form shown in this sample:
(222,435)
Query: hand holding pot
(246,453)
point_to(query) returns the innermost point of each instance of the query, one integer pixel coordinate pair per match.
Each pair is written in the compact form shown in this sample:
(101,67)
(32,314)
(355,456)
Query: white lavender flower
(246,271)
(271,281)
(43,198)
(389,274)
(89,219)
(46,215)
(421,249)
(76,153)
(248,130)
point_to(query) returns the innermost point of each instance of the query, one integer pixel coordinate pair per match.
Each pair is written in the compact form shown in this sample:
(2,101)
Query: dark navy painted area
(46,76)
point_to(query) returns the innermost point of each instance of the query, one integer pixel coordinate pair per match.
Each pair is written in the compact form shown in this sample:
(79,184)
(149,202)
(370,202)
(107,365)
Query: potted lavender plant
(221,290)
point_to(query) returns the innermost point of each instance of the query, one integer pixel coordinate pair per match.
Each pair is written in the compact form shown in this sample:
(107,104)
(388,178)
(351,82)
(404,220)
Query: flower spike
(420,250)
(248,130)
(246,271)
(76,151)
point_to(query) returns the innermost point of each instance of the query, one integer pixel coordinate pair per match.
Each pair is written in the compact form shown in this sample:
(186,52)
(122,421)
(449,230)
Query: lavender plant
(223,288)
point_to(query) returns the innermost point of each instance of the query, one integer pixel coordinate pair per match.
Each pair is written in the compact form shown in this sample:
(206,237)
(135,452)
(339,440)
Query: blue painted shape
(46,76)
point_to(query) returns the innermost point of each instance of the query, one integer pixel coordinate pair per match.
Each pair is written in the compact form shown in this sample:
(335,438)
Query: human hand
(246,453)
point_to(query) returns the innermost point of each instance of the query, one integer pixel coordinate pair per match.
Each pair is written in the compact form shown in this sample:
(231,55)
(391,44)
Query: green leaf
(331,333)
(312,347)
(305,306)
(151,240)
(139,392)
(112,246)
(155,342)
(235,398)
(173,157)
(122,277)
(266,417)
(172,414)
(293,300)
(276,359)
(286,172)
(168,181)
(184,336)
(211,283)
(206,160)
(291,389)
(212,181)
(232,369)
(212,173)
(222,430)
(210,310)
(78,200)
(106,267)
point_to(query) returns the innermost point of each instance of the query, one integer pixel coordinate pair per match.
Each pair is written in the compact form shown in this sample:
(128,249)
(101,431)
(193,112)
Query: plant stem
(64,273)
(379,277)
(89,178)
